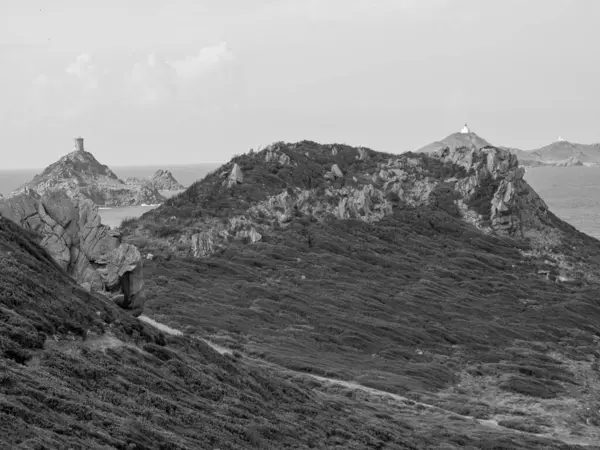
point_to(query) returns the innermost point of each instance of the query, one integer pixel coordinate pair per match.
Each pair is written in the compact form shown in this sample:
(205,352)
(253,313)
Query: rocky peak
(163,180)
(79,163)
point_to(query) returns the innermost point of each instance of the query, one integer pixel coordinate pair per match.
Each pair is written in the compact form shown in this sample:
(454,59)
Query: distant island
(80,176)
(560,153)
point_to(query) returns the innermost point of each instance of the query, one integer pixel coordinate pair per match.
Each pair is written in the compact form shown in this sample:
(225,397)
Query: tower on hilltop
(465,129)
(78,144)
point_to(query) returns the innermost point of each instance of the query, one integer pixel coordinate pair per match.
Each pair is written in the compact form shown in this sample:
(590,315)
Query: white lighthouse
(465,129)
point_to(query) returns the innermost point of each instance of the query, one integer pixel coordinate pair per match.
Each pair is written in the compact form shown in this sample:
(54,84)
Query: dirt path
(490,423)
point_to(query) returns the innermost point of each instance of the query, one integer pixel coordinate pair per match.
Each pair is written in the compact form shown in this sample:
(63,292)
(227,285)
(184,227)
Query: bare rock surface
(71,232)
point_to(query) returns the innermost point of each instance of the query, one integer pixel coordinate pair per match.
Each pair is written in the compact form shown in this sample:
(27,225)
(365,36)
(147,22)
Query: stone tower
(465,129)
(78,144)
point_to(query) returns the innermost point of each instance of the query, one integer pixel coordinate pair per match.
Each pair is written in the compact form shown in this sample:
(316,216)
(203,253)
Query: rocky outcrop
(235,176)
(80,176)
(273,153)
(513,207)
(90,252)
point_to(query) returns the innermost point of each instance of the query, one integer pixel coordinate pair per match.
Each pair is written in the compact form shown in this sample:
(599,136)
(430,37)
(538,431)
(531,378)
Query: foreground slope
(441,277)
(75,372)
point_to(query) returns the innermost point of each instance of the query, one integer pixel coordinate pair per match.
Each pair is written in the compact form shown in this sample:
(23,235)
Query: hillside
(80,176)
(441,277)
(75,372)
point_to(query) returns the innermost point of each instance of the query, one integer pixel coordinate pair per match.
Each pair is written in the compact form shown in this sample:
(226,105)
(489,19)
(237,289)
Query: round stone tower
(78,144)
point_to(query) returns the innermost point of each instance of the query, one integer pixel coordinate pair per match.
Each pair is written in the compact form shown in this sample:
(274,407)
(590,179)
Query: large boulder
(72,233)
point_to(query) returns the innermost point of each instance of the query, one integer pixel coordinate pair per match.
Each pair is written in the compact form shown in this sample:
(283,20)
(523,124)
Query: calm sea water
(572,193)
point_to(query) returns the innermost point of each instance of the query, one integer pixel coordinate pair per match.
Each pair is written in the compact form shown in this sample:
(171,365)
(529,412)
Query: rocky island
(560,153)
(80,176)
(162,180)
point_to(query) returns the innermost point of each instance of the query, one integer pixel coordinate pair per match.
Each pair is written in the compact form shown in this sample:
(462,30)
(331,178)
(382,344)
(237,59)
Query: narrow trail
(489,423)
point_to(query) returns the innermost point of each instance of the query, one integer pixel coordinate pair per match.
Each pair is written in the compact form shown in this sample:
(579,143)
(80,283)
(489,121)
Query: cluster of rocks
(90,252)
(274,153)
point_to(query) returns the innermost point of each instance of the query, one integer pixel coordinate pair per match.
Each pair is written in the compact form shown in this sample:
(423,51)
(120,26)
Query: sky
(193,81)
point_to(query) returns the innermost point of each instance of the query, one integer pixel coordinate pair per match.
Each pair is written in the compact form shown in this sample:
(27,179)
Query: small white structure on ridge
(560,139)
(465,129)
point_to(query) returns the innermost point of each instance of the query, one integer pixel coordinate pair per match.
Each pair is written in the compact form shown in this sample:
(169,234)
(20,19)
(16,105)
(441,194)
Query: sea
(572,193)
(185,174)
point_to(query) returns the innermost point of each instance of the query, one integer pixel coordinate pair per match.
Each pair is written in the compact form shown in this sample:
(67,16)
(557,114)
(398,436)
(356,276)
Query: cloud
(85,86)
(208,58)
(158,80)
(151,82)
(85,71)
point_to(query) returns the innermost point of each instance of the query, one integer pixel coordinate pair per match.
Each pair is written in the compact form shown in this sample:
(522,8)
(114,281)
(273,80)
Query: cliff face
(80,176)
(90,252)
(259,192)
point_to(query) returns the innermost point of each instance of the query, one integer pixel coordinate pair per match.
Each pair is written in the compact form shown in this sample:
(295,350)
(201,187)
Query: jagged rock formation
(235,176)
(81,176)
(161,180)
(73,235)
(463,175)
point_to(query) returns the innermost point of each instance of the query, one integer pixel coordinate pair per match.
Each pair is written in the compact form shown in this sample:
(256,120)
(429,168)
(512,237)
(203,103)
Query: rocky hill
(81,176)
(454,141)
(440,277)
(245,199)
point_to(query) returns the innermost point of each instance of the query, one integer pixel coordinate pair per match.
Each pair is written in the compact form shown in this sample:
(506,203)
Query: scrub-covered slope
(442,277)
(76,372)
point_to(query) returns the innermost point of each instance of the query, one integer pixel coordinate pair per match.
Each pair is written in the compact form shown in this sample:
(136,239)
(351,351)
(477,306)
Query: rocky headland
(80,176)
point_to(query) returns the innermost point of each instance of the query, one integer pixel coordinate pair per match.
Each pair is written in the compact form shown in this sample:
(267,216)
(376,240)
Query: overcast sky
(178,81)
